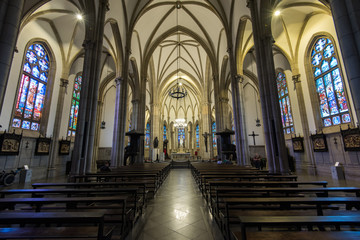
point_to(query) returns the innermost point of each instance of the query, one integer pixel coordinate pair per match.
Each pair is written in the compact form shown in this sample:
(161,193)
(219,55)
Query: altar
(180,157)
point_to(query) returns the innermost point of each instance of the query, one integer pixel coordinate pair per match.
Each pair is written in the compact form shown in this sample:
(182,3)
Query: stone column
(242,148)
(304,123)
(224,102)
(53,157)
(206,127)
(82,157)
(155,125)
(172,140)
(116,155)
(274,135)
(99,119)
(10,18)
(346,15)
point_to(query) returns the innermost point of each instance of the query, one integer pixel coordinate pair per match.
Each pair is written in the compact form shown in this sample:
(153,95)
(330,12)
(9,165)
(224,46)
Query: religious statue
(206,140)
(156,142)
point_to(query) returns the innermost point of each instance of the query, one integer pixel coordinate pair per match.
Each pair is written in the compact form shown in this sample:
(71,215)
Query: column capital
(239,78)
(88,44)
(224,100)
(119,80)
(63,82)
(134,101)
(296,79)
(205,103)
(248,3)
(106,4)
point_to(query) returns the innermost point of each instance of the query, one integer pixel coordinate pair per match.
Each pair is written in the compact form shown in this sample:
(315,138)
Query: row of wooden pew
(92,206)
(271,206)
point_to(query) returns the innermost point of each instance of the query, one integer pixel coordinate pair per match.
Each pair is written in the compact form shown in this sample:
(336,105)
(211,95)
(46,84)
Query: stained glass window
(197,131)
(74,110)
(213,130)
(147,135)
(284,101)
(329,84)
(32,91)
(181,137)
(164,137)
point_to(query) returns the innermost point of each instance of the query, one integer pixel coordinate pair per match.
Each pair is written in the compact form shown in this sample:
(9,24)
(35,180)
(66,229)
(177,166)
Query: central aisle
(178,211)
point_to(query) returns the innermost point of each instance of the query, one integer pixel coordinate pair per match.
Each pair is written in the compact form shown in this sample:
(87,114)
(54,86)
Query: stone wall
(324,160)
(38,164)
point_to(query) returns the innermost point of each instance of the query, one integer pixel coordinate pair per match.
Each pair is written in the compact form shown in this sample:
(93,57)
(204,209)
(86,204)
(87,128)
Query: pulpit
(226,148)
(133,150)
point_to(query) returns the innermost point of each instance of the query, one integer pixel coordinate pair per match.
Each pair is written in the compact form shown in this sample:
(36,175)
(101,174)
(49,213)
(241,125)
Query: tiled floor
(178,211)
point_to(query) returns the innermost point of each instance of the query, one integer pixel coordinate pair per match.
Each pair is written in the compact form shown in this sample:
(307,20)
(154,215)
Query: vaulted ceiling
(193,36)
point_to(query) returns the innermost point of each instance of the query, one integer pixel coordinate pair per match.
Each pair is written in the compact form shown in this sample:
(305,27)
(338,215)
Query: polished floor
(177,212)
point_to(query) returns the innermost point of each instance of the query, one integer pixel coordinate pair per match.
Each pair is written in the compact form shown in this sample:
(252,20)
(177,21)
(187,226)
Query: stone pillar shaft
(346,15)
(118,117)
(57,125)
(304,121)
(10,18)
(239,120)
(274,135)
(82,157)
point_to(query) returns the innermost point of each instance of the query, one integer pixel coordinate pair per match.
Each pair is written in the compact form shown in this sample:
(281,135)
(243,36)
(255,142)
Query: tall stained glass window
(31,94)
(197,131)
(181,137)
(164,137)
(147,135)
(334,108)
(284,101)
(213,130)
(74,110)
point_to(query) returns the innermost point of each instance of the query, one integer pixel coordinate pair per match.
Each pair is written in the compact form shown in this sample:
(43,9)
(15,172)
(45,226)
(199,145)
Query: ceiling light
(277,13)
(178,91)
(79,16)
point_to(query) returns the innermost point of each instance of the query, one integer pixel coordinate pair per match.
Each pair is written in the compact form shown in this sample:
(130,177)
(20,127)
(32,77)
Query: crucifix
(206,134)
(254,135)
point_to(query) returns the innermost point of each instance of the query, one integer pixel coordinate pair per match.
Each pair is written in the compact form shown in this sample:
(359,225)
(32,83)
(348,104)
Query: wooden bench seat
(135,198)
(296,221)
(233,192)
(295,235)
(73,225)
(54,233)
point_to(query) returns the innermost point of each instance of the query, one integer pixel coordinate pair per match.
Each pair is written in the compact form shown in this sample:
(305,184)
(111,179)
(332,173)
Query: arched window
(32,90)
(181,137)
(164,137)
(147,135)
(197,130)
(74,110)
(334,108)
(284,101)
(213,130)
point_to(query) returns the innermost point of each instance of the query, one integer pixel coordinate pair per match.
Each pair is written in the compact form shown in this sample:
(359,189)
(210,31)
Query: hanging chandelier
(178,91)
(180,123)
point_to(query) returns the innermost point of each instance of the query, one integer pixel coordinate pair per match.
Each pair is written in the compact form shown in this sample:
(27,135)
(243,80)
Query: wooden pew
(97,185)
(238,177)
(226,192)
(117,213)
(297,221)
(70,219)
(151,181)
(287,204)
(135,198)
(211,185)
(296,235)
